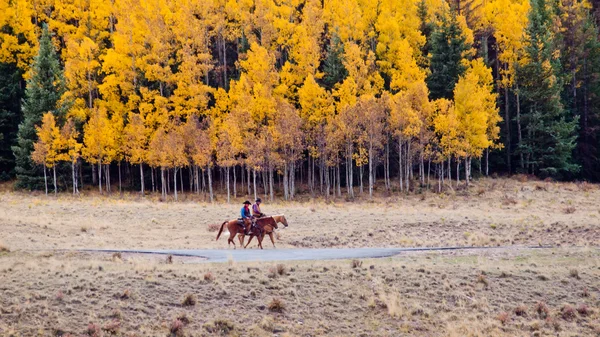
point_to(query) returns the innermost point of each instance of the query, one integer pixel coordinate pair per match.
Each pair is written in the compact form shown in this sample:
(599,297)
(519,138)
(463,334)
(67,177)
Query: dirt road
(250,255)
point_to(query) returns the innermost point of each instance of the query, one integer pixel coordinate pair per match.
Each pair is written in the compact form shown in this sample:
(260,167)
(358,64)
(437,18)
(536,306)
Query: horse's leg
(260,238)
(232,234)
(241,237)
(250,239)
(271,236)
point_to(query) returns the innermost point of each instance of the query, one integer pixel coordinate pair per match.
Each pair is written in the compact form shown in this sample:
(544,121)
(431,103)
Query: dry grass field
(492,212)
(46,291)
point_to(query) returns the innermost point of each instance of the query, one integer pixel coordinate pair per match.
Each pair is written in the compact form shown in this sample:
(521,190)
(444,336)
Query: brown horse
(235,229)
(268,229)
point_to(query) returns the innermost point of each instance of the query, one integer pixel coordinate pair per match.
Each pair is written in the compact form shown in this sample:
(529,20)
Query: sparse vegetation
(209,277)
(570,210)
(220,326)
(504,317)
(176,328)
(574,273)
(521,311)
(213,227)
(93,330)
(276,305)
(356,264)
(4,249)
(542,310)
(189,300)
(169,259)
(568,312)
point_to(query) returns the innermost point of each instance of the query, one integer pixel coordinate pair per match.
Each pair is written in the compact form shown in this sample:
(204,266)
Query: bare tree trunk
(254,183)
(370,170)
(360,170)
(339,184)
(408,166)
(54,172)
(386,175)
(74,178)
(163,189)
(175,182)
(400,178)
(507,120)
(449,170)
(227,184)
(248,180)
(210,189)
(467,170)
(181,178)
(99,175)
(522,161)
(270,183)
(487,162)
(152,176)
(428,171)
(142,178)
(234,183)
(457,171)
(285,181)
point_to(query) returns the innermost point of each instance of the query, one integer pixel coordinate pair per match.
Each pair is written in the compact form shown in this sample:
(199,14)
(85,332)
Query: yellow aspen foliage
(476,110)
(71,146)
(135,142)
(18,41)
(446,126)
(98,138)
(361,66)
(47,149)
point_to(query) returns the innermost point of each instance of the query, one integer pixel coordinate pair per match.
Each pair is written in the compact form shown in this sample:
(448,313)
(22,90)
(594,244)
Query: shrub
(567,312)
(356,264)
(583,310)
(189,300)
(125,295)
(183,318)
(219,326)
(521,310)
(281,269)
(504,317)
(116,314)
(542,309)
(276,305)
(4,249)
(60,296)
(93,330)
(112,328)
(117,256)
(169,259)
(574,273)
(483,280)
(553,323)
(209,277)
(176,329)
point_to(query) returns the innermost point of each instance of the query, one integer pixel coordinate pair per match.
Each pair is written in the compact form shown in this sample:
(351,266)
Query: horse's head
(283,220)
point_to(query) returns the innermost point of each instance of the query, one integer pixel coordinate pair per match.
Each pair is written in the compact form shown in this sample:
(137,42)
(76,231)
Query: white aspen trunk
(210,189)
(227,183)
(175,182)
(162,182)
(80,174)
(270,183)
(285,181)
(351,176)
(467,170)
(360,170)
(339,183)
(74,178)
(428,171)
(142,177)
(248,180)
(370,170)
(181,179)
(400,178)
(107,177)
(234,183)
(408,166)
(457,171)
(442,172)
(449,171)
(254,183)
(440,176)
(487,162)
(54,172)
(99,175)
(348,163)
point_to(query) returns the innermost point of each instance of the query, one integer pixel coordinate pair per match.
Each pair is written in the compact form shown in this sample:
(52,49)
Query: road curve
(294,254)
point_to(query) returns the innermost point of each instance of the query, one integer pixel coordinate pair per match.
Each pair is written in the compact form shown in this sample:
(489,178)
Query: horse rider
(256,212)
(248,221)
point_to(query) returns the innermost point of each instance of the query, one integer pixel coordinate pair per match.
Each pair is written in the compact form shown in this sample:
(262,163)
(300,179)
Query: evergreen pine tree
(426,27)
(10,96)
(448,46)
(44,89)
(334,69)
(548,134)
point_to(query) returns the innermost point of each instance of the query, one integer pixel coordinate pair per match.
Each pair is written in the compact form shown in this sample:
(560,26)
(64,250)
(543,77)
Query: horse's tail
(220,230)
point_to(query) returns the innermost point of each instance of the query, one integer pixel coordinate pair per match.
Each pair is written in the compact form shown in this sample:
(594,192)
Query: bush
(209,277)
(356,264)
(189,300)
(521,310)
(93,330)
(276,305)
(281,269)
(570,210)
(219,326)
(504,317)
(574,273)
(112,328)
(583,310)
(568,312)
(176,329)
(542,309)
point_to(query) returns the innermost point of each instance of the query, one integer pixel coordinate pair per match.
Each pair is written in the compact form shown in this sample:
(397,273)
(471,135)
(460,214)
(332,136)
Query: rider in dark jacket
(247,218)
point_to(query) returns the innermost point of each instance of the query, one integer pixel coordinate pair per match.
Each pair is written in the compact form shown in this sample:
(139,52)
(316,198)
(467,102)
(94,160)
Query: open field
(492,212)
(496,293)
(46,291)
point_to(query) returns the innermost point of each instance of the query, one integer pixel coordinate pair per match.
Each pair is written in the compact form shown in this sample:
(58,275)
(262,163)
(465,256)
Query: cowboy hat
(247,202)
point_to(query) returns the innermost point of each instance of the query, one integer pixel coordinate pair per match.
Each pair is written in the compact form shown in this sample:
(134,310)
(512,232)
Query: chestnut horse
(235,229)
(269,228)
